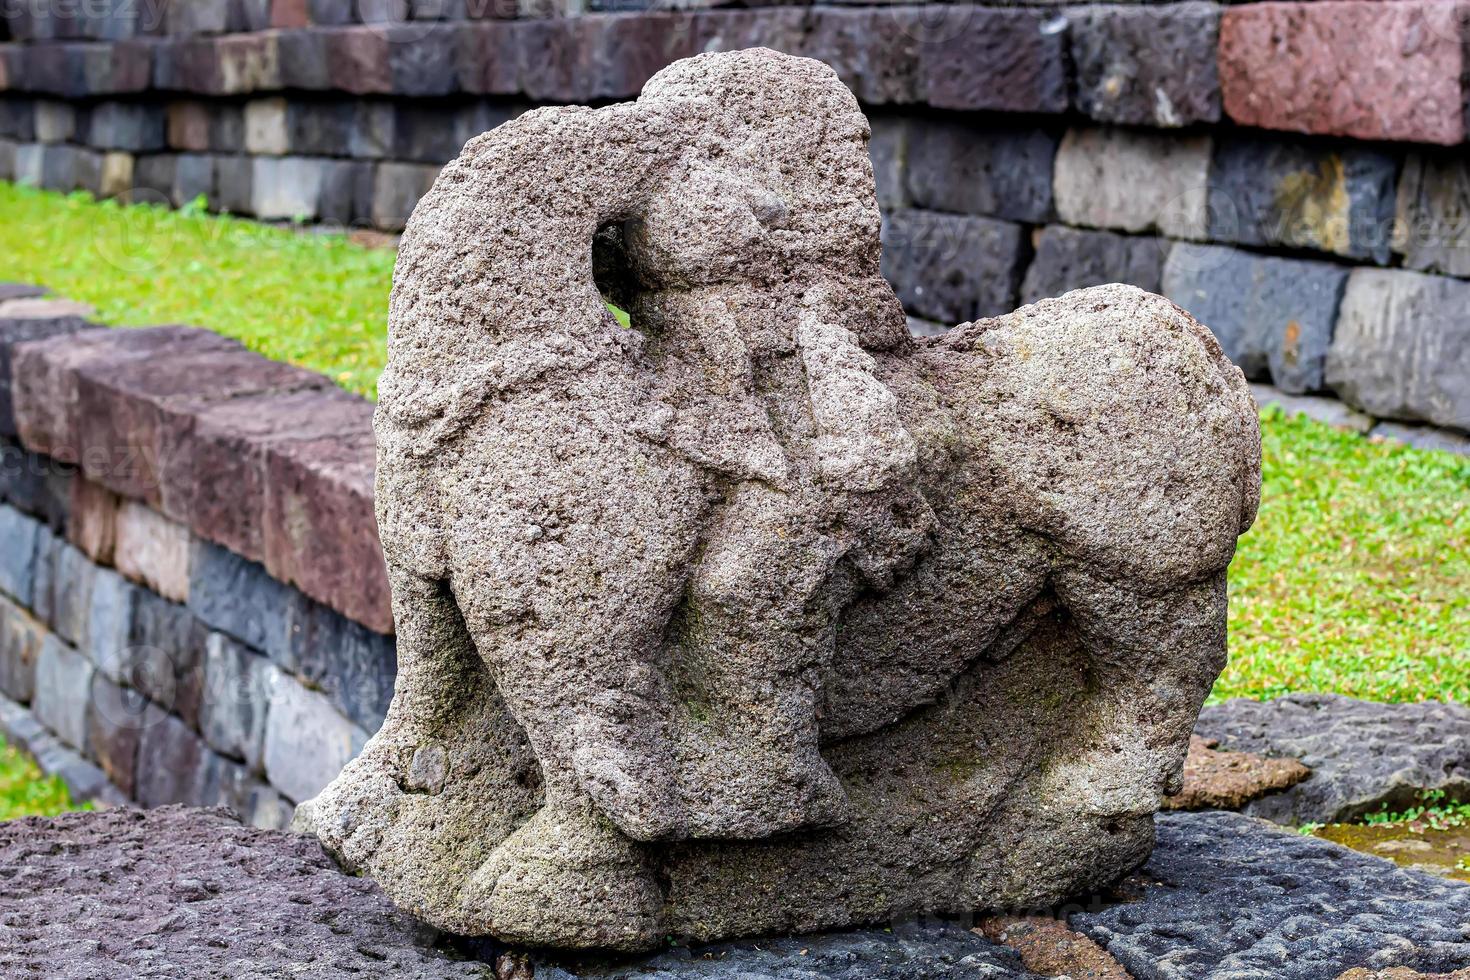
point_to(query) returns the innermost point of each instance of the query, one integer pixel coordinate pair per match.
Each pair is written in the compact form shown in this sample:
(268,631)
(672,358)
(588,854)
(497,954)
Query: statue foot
(753,792)
(568,878)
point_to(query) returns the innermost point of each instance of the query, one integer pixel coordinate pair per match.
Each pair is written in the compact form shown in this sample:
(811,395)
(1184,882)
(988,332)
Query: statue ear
(495,283)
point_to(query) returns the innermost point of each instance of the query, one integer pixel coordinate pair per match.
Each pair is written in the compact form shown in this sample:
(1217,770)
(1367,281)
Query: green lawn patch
(1355,578)
(24,792)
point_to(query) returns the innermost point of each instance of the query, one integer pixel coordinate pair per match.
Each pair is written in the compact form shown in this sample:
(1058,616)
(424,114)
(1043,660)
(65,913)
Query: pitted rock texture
(929,951)
(761,615)
(1216,780)
(180,892)
(1229,896)
(1362,754)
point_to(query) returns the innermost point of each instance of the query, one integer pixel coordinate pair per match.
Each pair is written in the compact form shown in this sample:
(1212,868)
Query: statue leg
(1154,657)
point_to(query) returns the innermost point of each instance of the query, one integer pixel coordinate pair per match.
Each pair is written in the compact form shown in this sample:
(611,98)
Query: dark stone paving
(1229,896)
(1362,754)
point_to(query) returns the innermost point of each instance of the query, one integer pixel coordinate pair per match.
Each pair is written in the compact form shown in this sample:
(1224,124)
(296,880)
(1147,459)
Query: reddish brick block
(357,60)
(1362,68)
(290,13)
(1005,60)
(23,320)
(220,485)
(321,534)
(135,417)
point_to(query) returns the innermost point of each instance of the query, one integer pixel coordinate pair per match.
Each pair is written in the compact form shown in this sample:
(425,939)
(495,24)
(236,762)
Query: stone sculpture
(761,615)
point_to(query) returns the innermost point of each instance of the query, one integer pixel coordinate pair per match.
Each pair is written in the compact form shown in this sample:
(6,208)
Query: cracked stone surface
(1362,754)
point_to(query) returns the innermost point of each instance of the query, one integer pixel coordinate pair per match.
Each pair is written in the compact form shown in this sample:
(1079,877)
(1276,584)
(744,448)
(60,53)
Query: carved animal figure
(760,613)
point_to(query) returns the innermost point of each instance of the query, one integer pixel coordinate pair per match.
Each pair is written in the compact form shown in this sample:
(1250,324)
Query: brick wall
(1293,173)
(193,605)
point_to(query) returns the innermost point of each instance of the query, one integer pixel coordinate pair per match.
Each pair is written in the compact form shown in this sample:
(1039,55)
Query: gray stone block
(421,59)
(29,164)
(139,127)
(234,178)
(1136,181)
(429,134)
(171,761)
(110,624)
(265,127)
(1071,258)
(303,60)
(1362,754)
(7,159)
(18,533)
(1273,316)
(1322,408)
(1273,191)
(373,132)
(114,729)
(168,644)
(232,714)
(397,188)
(60,167)
(63,691)
(194,177)
(55,122)
(21,637)
(286,188)
(1226,896)
(238,597)
(18,119)
(153,178)
(888,150)
(1401,350)
(87,175)
(299,717)
(320,128)
(330,12)
(354,666)
(1432,230)
(226,127)
(952,268)
(71,593)
(991,170)
(197,17)
(347,193)
(1423,437)
(1147,65)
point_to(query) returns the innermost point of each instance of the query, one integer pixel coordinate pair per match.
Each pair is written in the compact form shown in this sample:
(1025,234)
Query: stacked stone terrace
(1293,173)
(193,604)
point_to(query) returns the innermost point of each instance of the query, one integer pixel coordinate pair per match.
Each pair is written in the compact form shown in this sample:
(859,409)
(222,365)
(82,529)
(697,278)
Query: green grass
(25,792)
(1355,578)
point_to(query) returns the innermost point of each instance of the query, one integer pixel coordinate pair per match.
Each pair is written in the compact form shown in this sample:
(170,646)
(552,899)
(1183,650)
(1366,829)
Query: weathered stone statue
(762,615)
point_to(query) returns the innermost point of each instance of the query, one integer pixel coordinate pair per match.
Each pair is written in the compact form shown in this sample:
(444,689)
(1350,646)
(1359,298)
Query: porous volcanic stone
(24,318)
(1401,350)
(1274,316)
(950,267)
(1005,60)
(1216,780)
(1147,65)
(1432,232)
(766,616)
(1073,258)
(1226,895)
(994,171)
(191,893)
(1362,754)
(1271,191)
(1376,71)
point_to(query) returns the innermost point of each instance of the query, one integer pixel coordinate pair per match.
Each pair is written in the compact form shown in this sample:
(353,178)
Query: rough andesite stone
(300,717)
(1001,173)
(20,645)
(1074,258)
(1362,754)
(153,550)
(950,267)
(1225,895)
(1147,65)
(237,596)
(18,557)
(1220,780)
(63,690)
(1006,60)
(167,655)
(762,615)
(30,318)
(1375,71)
(192,893)
(138,127)
(1273,316)
(114,729)
(286,188)
(1134,181)
(1432,229)
(1401,350)
(235,700)
(1270,191)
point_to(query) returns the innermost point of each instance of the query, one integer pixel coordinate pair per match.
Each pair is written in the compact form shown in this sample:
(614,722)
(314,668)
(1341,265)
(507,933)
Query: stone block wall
(1295,173)
(193,604)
